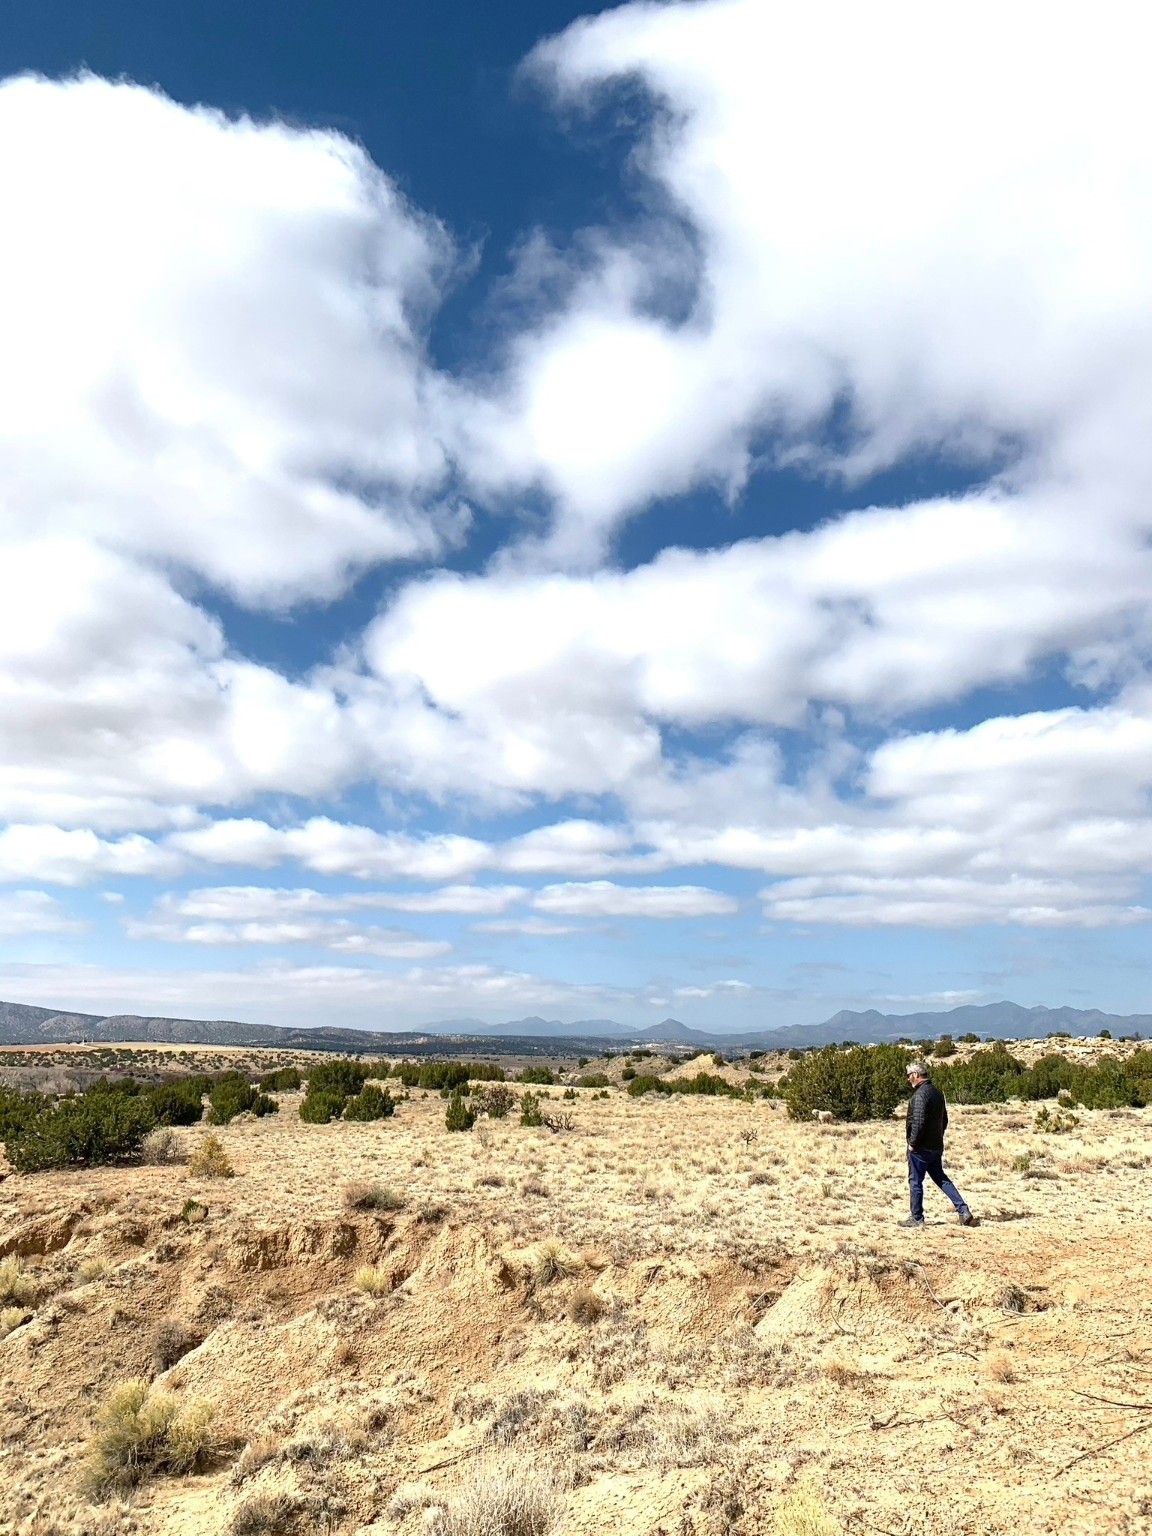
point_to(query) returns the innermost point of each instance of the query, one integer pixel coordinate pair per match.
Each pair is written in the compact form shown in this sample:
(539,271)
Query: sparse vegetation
(502,1498)
(139,1434)
(459,1116)
(210,1161)
(689,1289)
(171,1341)
(371,1103)
(363,1196)
(372,1280)
(16,1285)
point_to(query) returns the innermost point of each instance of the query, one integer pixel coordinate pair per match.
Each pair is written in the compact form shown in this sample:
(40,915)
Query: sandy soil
(684,1316)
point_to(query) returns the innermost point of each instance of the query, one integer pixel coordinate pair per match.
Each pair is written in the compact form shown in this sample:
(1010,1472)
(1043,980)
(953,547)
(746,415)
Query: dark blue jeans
(931,1164)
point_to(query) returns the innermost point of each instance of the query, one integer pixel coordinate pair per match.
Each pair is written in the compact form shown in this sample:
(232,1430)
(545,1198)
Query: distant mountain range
(24,1024)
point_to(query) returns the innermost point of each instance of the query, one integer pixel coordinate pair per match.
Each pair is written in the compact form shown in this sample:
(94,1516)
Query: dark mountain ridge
(27,1024)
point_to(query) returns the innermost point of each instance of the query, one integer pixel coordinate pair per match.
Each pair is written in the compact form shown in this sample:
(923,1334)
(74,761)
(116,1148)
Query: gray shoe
(911,1222)
(967,1219)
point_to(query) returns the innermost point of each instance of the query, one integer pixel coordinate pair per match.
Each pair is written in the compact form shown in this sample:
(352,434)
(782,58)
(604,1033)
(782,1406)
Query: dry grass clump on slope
(210,1161)
(504,1496)
(140,1433)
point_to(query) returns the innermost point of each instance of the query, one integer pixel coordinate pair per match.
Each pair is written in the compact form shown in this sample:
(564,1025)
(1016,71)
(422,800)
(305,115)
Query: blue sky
(515,510)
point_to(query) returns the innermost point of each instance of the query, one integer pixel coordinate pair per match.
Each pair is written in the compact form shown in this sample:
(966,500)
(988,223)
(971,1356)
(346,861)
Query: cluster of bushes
(232,1095)
(284,1080)
(446,1076)
(704,1082)
(543,1077)
(104,1124)
(863,1083)
(867,1082)
(341,1088)
(991,1076)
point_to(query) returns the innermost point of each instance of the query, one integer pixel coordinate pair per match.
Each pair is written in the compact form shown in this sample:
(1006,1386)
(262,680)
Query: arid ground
(682,1315)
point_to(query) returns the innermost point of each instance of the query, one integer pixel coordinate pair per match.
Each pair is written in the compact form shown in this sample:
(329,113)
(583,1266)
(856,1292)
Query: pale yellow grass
(710,1322)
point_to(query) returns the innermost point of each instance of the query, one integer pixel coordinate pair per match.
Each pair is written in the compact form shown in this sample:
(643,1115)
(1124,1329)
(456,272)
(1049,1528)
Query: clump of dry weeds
(139,1434)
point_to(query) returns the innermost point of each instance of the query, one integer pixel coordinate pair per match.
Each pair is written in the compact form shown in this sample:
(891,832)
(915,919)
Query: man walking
(926,1123)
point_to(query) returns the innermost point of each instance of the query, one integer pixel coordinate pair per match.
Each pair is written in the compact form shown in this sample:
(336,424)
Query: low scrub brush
(373,1281)
(140,1434)
(502,1498)
(372,1197)
(16,1287)
(210,1161)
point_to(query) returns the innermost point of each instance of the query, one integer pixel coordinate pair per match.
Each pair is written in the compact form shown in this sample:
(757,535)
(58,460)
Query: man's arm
(916,1117)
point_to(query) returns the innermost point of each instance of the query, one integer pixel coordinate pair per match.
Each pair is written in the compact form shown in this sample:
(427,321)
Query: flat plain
(686,1316)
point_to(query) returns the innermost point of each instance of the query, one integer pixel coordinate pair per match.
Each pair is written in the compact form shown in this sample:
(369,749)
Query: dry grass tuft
(1001,1366)
(586,1306)
(258,1453)
(544,1262)
(162,1146)
(139,1434)
(373,1280)
(171,1341)
(364,1196)
(210,1161)
(12,1318)
(842,1373)
(345,1354)
(502,1497)
(16,1287)
(804,1513)
(271,1512)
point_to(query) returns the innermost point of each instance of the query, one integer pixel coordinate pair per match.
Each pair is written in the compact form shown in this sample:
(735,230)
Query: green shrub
(945,1046)
(17,1111)
(446,1075)
(340,1076)
(530,1110)
(987,1077)
(496,1101)
(593,1080)
(80,1132)
(543,1076)
(628,1075)
(863,1083)
(180,1102)
(320,1108)
(231,1095)
(640,1085)
(262,1105)
(371,1103)
(283,1080)
(707,1083)
(459,1116)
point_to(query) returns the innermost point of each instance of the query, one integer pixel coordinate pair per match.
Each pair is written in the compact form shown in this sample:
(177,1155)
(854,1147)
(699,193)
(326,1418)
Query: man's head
(917,1073)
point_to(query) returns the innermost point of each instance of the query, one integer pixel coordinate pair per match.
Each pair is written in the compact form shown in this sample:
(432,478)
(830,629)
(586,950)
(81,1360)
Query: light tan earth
(686,1316)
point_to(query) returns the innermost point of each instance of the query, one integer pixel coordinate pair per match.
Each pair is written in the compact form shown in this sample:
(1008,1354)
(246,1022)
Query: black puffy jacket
(927,1119)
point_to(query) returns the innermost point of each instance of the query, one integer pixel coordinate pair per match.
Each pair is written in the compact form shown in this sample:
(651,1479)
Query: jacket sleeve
(916,1116)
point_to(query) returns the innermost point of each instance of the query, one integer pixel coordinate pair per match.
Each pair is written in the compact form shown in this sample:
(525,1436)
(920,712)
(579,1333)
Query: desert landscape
(678,1315)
